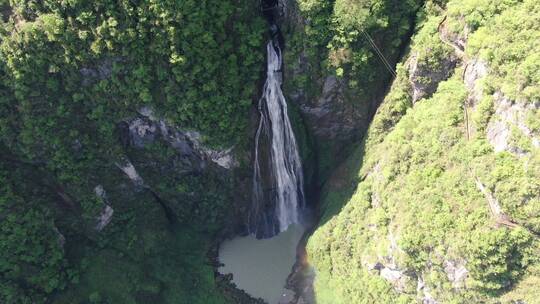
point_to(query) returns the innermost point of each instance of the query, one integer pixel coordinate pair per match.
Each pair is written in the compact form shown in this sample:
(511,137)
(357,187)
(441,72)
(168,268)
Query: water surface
(261,267)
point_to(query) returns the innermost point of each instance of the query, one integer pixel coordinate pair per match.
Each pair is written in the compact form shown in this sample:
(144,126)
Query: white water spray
(285,168)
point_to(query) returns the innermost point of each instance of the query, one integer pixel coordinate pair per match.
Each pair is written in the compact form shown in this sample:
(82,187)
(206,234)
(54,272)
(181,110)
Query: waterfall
(278,194)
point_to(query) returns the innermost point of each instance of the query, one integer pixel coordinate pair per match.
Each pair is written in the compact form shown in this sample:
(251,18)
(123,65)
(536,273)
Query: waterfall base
(278,194)
(261,267)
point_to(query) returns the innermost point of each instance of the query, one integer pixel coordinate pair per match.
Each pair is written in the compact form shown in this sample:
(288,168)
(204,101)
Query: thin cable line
(386,63)
(380,54)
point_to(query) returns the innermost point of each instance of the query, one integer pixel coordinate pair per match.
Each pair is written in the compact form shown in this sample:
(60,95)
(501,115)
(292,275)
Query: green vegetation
(334,42)
(408,197)
(440,200)
(29,243)
(326,39)
(70,73)
(514,62)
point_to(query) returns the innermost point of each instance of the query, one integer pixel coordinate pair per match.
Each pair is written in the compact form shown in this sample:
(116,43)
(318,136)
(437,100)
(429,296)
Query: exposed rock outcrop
(395,276)
(456,272)
(475,70)
(130,171)
(425,79)
(331,116)
(106,214)
(510,116)
(104,218)
(142,132)
(148,128)
(387,266)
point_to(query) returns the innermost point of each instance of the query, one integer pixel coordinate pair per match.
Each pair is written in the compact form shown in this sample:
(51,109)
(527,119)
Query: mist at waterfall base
(262,261)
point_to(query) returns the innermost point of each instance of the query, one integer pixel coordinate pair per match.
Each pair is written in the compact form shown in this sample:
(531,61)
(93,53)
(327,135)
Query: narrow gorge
(269,152)
(278,200)
(278,212)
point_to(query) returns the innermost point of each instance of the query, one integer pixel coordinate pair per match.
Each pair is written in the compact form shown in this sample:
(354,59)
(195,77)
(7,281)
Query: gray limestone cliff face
(508,124)
(107,212)
(173,169)
(158,156)
(334,115)
(331,116)
(425,79)
(475,70)
(146,129)
(507,128)
(181,157)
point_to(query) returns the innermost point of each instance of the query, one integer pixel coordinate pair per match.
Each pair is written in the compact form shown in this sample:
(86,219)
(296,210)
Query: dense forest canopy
(70,73)
(111,112)
(441,199)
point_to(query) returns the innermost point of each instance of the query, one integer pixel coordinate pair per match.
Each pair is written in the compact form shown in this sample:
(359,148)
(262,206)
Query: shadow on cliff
(341,185)
(337,175)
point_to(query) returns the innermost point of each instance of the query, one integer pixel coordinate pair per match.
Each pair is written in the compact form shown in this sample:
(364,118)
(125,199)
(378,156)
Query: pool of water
(261,267)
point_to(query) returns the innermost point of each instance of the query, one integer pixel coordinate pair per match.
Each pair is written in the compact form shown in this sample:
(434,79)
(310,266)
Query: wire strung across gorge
(380,54)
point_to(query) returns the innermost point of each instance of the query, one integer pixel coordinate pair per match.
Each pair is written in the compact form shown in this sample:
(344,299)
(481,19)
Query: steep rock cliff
(333,75)
(124,128)
(439,203)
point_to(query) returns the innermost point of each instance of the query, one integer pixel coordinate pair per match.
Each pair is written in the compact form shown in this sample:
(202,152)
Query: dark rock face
(425,79)
(142,131)
(146,129)
(331,116)
(336,110)
(330,113)
(333,122)
(190,181)
(102,70)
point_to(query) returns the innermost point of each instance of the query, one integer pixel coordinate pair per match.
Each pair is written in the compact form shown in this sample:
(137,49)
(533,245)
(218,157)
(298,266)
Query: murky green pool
(261,267)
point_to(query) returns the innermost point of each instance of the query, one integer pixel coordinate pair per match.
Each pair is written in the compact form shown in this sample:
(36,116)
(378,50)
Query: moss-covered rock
(333,73)
(428,208)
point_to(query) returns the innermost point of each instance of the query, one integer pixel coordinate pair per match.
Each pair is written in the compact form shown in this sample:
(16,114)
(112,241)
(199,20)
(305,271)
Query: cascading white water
(260,267)
(284,166)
